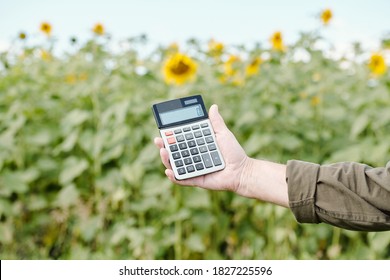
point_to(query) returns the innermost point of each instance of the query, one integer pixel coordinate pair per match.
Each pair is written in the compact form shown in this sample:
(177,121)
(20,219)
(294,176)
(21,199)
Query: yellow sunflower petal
(326,16)
(231,66)
(46,28)
(254,67)
(98,29)
(277,41)
(179,69)
(315,101)
(215,48)
(377,64)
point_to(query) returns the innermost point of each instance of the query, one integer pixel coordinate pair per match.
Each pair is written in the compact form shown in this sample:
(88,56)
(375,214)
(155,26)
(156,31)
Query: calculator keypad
(193,150)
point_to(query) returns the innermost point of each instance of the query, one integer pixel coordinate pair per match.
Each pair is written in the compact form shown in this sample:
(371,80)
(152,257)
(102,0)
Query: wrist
(245,175)
(264,180)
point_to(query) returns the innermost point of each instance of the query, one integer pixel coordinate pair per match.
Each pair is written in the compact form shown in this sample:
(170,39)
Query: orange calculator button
(168,133)
(171,140)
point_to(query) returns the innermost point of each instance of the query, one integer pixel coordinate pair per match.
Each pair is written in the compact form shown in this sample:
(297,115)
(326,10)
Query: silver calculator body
(188,136)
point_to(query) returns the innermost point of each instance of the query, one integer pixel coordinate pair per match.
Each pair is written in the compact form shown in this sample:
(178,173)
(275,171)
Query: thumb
(216,119)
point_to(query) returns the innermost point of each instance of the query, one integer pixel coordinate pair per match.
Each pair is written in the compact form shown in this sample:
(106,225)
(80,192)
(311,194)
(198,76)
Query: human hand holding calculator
(188,136)
(243,175)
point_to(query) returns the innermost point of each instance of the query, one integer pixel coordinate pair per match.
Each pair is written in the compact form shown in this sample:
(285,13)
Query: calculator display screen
(181,114)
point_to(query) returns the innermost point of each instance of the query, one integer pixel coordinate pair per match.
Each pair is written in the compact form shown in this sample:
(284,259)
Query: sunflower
(215,48)
(232,71)
(254,67)
(277,41)
(178,69)
(73,40)
(315,101)
(377,64)
(71,79)
(22,36)
(98,29)
(45,55)
(46,28)
(326,16)
(231,66)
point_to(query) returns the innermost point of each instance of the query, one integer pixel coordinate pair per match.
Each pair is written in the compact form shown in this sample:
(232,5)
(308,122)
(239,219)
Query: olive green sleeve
(348,195)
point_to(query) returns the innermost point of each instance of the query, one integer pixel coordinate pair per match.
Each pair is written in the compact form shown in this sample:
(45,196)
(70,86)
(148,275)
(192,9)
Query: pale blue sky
(233,22)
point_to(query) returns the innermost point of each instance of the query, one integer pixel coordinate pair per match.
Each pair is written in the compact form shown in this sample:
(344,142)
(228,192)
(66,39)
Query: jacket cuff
(301,179)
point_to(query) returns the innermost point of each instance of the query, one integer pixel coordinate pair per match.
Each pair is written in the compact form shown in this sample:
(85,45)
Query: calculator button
(216,159)
(171,140)
(198,134)
(207,160)
(200,141)
(191,143)
(199,166)
(176,155)
(189,136)
(182,146)
(212,147)
(209,139)
(173,148)
(194,151)
(196,159)
(190,168)
(181,171)
(193,148)
(185,153)
(206,132)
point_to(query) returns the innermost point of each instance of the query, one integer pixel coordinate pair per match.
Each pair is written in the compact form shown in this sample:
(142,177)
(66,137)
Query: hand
(232,152)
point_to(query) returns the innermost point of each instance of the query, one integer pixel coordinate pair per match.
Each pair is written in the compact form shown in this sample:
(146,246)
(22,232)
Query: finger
(165,158)
(216,119)
(171,175)
(187,182)
(159,142)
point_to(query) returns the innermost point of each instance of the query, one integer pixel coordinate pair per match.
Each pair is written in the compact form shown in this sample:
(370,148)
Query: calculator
(188,136)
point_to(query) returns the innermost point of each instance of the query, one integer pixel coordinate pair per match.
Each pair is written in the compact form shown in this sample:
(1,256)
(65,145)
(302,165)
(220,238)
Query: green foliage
(80,177)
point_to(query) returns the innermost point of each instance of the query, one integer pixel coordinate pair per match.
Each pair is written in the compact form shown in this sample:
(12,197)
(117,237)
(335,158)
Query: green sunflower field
(80,177)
